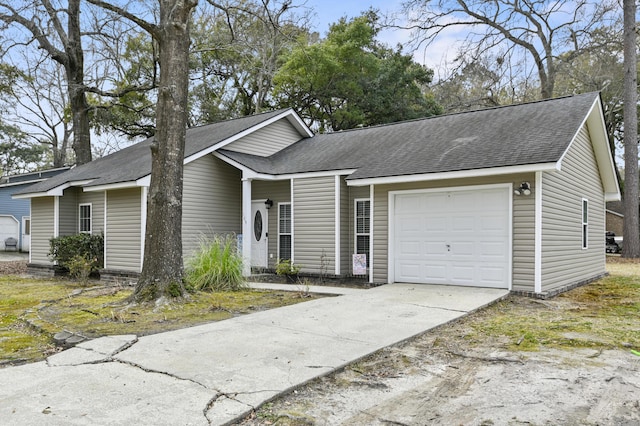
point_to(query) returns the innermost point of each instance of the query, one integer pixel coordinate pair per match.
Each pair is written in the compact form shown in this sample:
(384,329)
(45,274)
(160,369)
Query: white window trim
(585,224)
(356,234)
(281,233)
(80,206)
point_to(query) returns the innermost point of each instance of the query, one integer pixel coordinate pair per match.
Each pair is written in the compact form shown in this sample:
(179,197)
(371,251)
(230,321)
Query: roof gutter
(459,174)
(56,191)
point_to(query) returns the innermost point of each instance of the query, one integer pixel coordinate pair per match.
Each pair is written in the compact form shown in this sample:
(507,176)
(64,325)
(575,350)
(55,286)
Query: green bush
(216,266)
(285,267)
(69,249)
(80,267)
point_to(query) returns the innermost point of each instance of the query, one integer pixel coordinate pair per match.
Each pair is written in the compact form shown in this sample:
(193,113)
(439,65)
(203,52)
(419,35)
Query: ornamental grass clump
(216,266)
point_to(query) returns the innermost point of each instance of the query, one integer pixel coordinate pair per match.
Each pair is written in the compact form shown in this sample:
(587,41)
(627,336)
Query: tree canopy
(349,79)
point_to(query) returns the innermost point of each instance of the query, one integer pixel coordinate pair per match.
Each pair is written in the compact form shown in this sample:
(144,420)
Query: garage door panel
(435,272)
(453,237)
(462,249)
(464,223)
(435,223)
(462,275)
(409,271)
(409,248)
(492,276)
(411,224)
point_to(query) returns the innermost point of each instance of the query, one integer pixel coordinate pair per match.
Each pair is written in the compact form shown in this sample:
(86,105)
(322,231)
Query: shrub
(80,267)
(285,267)
(69,249)
(216,266)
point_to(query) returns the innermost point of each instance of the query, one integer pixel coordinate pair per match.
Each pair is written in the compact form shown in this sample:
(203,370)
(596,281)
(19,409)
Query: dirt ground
(440,379)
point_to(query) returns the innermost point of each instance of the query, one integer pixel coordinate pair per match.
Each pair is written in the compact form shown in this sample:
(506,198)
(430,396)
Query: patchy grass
(32,311)
(602,315)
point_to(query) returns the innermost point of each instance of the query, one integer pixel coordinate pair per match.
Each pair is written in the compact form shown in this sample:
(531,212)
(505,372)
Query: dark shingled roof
(526,134)
(134,162)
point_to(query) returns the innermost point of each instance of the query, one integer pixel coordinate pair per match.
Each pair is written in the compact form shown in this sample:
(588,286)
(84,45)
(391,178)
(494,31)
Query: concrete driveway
(217,373)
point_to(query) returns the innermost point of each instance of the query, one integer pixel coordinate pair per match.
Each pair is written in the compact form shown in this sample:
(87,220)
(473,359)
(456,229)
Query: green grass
(604,314)
(216,266)
(32,311)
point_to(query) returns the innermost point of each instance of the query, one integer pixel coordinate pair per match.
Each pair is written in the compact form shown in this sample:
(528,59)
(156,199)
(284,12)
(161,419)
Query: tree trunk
(162,271)
(631,232)
(75,82)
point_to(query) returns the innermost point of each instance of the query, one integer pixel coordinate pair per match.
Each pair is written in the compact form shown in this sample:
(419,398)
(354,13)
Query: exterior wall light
(268,204)
(524,189)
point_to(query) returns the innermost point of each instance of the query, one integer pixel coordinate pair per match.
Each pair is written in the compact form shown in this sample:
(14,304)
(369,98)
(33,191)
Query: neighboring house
(510,197)
(14,214)
(615,217)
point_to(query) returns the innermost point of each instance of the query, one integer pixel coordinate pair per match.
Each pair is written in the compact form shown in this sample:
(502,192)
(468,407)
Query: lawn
(32,311)
(603,315)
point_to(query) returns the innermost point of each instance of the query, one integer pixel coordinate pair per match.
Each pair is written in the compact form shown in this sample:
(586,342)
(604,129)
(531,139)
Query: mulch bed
(13,268)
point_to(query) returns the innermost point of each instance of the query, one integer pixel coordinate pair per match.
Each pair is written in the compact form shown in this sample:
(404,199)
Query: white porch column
(246,227)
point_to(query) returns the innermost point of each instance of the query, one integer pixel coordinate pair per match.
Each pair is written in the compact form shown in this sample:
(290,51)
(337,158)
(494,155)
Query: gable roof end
(596,126)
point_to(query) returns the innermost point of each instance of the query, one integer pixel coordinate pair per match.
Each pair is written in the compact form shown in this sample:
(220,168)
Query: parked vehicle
(611,245)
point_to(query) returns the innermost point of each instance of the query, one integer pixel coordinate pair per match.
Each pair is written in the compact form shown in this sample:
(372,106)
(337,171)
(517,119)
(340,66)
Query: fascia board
(528,168)
(288,114)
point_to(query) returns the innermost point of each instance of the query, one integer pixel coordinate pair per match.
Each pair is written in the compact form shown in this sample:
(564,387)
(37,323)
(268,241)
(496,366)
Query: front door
(26,233)
(259,229)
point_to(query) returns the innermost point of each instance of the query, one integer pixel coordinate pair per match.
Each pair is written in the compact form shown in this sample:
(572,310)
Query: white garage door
(9,227)
(454,237)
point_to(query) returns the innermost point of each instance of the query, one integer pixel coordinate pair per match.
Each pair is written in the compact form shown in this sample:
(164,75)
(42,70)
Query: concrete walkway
(217,373)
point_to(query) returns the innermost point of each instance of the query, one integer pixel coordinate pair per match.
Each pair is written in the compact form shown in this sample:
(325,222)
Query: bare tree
(631,231)
(43,21)
(59,28)
(40,108)
(163,270)
(542,29)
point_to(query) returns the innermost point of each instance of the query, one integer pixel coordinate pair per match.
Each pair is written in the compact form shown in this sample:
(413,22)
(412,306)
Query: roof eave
(56,191)
(458,174)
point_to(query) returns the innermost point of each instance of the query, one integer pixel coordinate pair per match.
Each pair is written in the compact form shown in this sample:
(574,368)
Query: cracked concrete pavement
(217,373)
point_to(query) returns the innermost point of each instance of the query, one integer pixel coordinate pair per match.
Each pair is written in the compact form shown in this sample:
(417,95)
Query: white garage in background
(457,236)
(9,227)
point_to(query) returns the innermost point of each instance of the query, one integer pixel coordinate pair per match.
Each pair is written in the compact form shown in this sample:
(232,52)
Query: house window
(85,218)
(362,225)
(585,223)
(284,231)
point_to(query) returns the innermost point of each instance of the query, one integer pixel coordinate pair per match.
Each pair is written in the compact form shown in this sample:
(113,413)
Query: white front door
(259,229)
(453,237)
(26,233)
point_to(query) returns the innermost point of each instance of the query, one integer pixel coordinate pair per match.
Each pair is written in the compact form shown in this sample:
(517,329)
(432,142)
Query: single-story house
(510,197)
(14,214)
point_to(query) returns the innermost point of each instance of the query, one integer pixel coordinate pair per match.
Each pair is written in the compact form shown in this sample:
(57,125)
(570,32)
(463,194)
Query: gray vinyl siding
(211,201)
(524,238)
(314,223)
(564,262)
(278,192)
(523,224)
(122,237)
(42,228)
(68,212)
(268,140)
(355,192)
(96,199)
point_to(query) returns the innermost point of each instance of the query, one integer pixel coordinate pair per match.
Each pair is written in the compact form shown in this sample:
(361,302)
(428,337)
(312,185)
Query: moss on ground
(604,314)
(33,310)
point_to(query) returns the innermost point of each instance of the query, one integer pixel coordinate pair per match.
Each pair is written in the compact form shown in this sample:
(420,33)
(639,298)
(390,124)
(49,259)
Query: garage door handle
(448,247)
